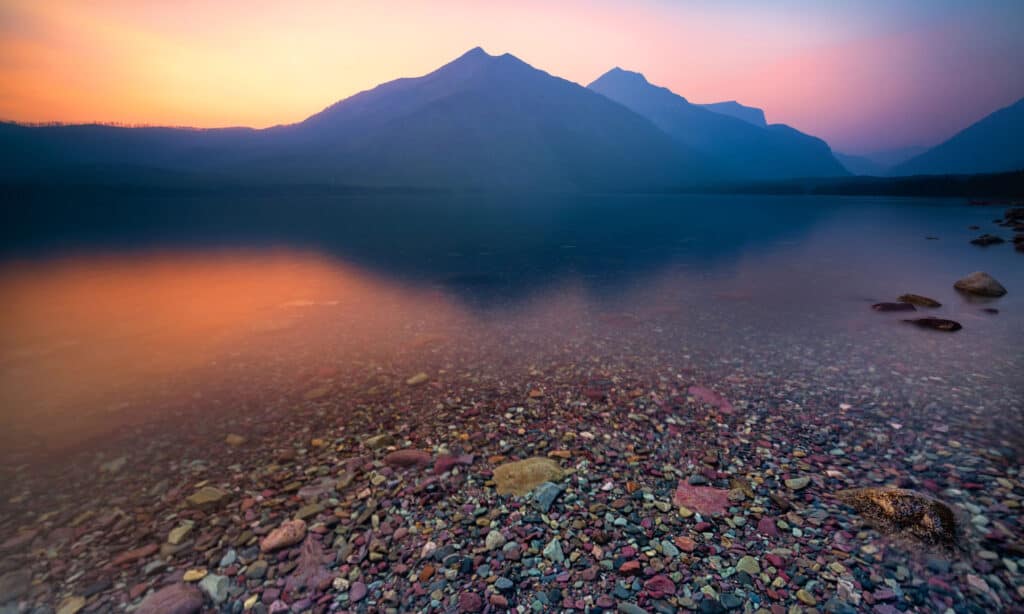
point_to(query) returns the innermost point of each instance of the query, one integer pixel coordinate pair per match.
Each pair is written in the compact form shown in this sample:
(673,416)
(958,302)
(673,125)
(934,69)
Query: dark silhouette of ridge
(991,145)
(751,115)
(478,122)
(746,151)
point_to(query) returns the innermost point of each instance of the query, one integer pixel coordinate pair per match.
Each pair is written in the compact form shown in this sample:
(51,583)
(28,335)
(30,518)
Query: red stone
(703,499)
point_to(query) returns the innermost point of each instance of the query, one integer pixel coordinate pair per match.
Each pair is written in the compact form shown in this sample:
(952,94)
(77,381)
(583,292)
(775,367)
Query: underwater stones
(379,441)
(494,540)
(206,497)
(749,564)
(712,398)
(215,587)
(799,483)
(920,301)
(416,380)
(553,551)
(906,513)
(544,496)
(703,499)
(660,586)
(289,533)
(408,458)
(14,585)
(234,440)
(520,477)
(980,284)
(893,307)
(936,324)
(173,599)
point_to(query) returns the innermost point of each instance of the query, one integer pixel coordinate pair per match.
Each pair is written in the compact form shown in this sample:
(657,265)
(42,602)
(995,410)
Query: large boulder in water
(905,513)
(981,284)
(520,477)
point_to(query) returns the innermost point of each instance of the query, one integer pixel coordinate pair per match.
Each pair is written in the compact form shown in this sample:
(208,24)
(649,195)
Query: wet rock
(419,378)
(71,605)
(986,239)
(447,462)
(712,398)
(520,477)
(553,551)
(704,499)
(288,534)
(470,603)
(798,483)
(893,307)
(173,599)
(936,324)
(215,587)
(660,586)
(379,441)
(234,440)
(749,564)
(906,513)
(14,585)
(408,458)
(920,301)
(207,497)
(981,284)
(544,496)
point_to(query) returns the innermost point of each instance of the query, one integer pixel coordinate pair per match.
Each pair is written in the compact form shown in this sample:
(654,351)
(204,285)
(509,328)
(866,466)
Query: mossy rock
(905,513)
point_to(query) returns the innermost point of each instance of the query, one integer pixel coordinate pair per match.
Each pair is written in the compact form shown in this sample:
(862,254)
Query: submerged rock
(893,307)
(173,599)
(904,513)
(207,497)
(981,284)
(936,324)
(920,301)
(289,533)
(703,499)
(409,457)
(520,477)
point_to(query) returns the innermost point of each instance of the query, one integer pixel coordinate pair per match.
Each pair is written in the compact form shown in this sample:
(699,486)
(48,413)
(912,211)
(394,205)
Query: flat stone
(207,497)
(749,564)
(799,483)
(71,605)
(288,534)
(545,495)
(520,477)
(173,599)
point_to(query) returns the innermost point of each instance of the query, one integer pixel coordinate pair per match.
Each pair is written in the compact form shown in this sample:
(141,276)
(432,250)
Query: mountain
(992,145)
(746,151)
(751,115)
(860,165)
(480,121)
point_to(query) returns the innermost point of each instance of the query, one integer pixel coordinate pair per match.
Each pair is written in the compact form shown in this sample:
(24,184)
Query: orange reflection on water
(80,337)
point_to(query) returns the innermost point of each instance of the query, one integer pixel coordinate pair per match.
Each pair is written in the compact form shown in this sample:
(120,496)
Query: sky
(865,76)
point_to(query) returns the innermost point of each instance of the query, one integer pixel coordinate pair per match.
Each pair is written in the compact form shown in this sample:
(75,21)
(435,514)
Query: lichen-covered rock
(981,284)
(905,513)
(289,533)
(520,477)
(173,599)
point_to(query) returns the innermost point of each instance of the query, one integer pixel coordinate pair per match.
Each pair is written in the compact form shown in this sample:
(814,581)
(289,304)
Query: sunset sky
(865,76)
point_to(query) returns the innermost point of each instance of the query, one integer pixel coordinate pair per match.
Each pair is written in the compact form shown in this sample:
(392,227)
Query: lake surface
(148,328)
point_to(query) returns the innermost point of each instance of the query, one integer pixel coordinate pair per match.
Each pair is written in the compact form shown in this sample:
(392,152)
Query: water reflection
(121,310)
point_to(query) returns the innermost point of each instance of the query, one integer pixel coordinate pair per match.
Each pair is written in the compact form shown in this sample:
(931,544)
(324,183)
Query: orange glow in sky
(863,76)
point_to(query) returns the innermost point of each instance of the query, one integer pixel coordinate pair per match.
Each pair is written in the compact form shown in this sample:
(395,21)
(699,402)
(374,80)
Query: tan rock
(520,477)
(289,533)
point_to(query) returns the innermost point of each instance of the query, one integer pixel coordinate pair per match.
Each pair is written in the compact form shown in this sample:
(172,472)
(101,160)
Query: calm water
(117,311)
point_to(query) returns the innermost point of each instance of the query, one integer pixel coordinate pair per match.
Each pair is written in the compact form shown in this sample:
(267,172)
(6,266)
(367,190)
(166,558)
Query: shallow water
(176,320)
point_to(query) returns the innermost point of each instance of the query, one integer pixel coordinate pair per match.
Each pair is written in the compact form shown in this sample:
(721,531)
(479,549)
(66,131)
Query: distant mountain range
(743,149)
(992,145)
(478,122)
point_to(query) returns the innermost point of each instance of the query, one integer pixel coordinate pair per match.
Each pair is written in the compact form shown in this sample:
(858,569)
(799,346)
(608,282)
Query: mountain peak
(476,52)
(621,74)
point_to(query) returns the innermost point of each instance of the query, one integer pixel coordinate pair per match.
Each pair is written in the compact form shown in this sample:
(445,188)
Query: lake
(641,341)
